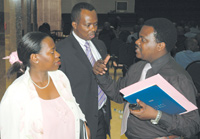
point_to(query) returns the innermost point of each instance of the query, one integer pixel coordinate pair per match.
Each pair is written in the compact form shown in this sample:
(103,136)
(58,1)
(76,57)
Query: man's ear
(74,25)
(34,58)
(161,46)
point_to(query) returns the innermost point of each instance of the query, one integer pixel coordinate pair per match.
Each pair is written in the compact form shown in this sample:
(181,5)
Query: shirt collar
(81,41)
(160,62)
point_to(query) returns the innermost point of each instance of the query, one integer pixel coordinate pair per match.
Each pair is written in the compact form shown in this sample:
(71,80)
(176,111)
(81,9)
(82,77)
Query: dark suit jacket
(77,67)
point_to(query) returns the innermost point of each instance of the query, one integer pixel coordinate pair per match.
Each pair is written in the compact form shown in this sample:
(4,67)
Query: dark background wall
(175,10)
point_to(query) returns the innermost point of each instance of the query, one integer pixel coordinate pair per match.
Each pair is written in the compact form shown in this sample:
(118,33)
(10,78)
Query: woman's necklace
(44,86)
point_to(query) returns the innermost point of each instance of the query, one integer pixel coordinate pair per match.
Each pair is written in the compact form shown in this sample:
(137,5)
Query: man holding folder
(157,37)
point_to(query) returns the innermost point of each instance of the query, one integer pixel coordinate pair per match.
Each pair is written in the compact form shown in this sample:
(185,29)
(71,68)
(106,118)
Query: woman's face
(48,57)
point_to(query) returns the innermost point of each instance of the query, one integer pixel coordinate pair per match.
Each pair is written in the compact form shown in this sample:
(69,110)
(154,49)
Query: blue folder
(155,97)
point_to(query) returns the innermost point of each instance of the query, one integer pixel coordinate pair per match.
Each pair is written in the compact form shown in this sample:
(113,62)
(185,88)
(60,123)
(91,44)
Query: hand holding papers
(159,94)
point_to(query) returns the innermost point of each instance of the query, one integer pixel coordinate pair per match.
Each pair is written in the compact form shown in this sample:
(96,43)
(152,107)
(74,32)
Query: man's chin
(138,56)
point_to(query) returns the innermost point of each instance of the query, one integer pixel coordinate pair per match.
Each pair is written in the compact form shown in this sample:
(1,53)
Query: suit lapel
(80,54)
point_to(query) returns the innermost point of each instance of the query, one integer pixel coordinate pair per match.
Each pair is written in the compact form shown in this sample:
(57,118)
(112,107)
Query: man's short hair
(165,31)
(76,10)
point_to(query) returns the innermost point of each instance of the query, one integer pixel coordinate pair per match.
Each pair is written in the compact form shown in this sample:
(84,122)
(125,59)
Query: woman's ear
(161,46)
(34,58)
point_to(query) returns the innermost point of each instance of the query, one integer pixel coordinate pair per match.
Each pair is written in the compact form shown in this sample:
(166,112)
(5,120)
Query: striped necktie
(101,95)
(126,108)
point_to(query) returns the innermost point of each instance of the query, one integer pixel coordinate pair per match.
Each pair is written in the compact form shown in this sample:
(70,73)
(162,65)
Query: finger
(141,103)
(99,68)
(132,111)
(106,59)
(96,69)
(101,65)
(95,72)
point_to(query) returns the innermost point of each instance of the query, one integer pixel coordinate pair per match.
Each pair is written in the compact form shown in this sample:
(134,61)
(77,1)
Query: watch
(155,121)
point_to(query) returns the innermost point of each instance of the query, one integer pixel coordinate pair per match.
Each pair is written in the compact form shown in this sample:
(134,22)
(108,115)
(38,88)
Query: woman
(40,104)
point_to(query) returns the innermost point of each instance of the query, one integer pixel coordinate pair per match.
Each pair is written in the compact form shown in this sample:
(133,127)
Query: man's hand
(100,66)
(144,113)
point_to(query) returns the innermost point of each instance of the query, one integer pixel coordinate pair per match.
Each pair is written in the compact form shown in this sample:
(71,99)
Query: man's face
(86,27)
(146,45)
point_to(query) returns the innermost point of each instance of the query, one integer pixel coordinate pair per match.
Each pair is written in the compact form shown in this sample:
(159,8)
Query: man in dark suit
(78,68)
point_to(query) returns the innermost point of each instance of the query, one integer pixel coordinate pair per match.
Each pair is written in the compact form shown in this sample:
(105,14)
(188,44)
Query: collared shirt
(184,58)
(95,52)
(185,125)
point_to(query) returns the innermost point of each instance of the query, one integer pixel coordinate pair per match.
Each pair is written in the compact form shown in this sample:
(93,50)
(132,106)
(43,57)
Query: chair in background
(114,63)
(194,70)
(67,28)
(57,35)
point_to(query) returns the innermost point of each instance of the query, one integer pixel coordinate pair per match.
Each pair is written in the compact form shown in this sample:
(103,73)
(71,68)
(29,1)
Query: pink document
(165,86)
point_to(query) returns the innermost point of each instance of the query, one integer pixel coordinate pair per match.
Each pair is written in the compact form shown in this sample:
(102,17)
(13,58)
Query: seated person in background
(189,55)
(123,51)
(134,36)
(180,39)
(45,28)
(197,37)
(127,54)
(140,22)
(115,24)
(156,39)
(116,43)
(39,104)
(106,35)
(193,30)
